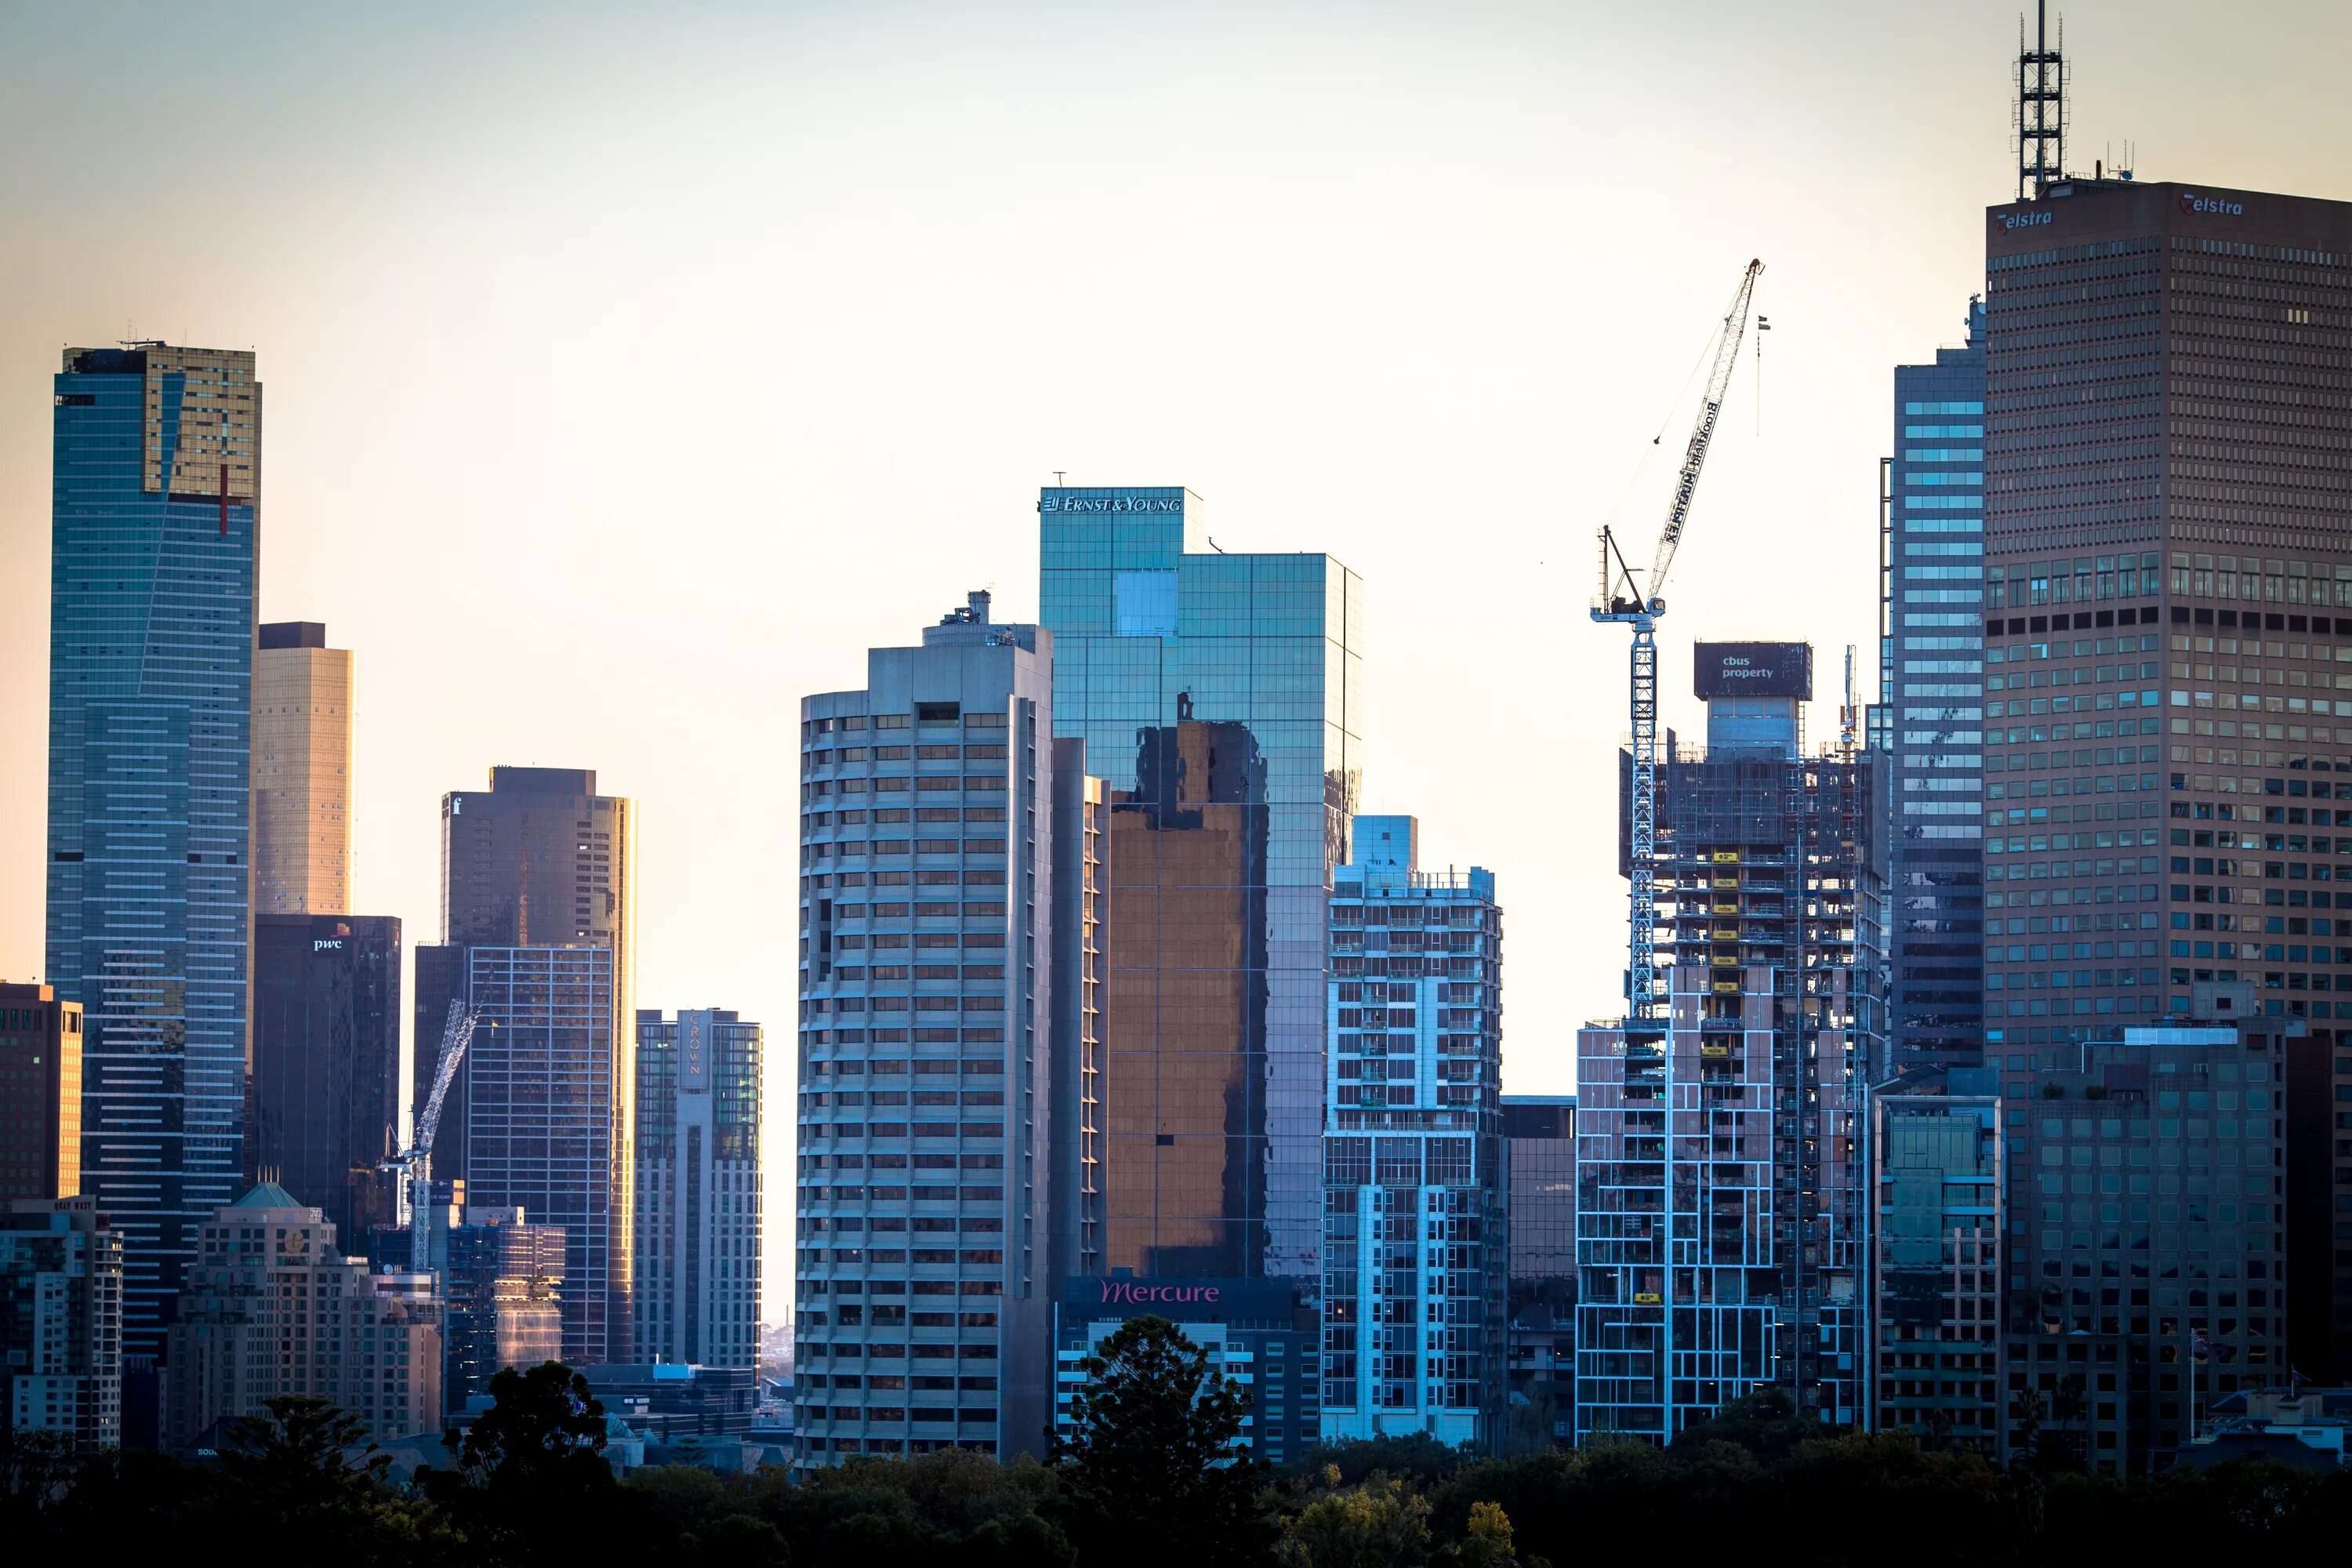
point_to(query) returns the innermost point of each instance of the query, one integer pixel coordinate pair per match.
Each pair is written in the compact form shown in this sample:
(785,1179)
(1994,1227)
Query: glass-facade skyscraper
(697,1189)
(154,555)
(1931,693)
(326,1064)
(1155,629)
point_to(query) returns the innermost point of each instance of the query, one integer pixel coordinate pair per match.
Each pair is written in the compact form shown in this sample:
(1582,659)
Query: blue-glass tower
(1931,665)
(152,572)
(1154,627)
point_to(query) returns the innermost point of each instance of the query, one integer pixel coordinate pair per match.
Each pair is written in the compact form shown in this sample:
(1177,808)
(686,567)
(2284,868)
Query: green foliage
(1151,1481)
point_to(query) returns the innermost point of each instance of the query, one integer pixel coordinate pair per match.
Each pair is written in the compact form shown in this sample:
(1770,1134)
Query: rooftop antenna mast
(2040,105)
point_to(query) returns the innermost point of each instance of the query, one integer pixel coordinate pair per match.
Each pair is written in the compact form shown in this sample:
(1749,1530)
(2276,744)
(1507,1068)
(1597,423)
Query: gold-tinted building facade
(301,773)
(40,1087)
(1184,947)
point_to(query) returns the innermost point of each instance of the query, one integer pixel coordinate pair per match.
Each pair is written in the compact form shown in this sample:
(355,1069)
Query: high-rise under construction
(1717,1223)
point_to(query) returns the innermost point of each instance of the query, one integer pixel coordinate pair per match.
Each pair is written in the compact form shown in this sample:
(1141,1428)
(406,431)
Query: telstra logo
(2024,219)
(2190,202)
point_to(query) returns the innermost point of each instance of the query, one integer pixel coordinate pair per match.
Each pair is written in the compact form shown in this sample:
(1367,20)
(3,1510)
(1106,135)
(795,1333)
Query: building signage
(1753,669)
(2029,219)
(1143,1292)
(2190,202)
(326,943)
(1169,505)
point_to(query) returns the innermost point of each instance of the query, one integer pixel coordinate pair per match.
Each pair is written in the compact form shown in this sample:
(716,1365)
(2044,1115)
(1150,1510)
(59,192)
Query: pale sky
(631,370)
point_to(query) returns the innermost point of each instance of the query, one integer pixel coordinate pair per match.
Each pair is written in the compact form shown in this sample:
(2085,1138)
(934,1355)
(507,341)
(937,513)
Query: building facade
(1936,1222)
(153,569)
(1539,1343)
(539,859)
(2148,1256)
(548,1128)
(503,1280)
(326,1064)
(1260,1333)
(1153,627)
(2168,556)
(924,1144)
(1184,939)
(301,773)
(1414,1249)
(1772,858)
(1678,1271)
(274,1308)
(1931,674)
(1080,888)
(40,1085)
(62,1320)
(697,1227)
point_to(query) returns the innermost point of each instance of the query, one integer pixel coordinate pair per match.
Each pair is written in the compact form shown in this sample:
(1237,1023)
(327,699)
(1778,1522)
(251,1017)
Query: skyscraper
(2167,599)
(925,1139)
(697,1224)
(1154,627)
(1740,1123)
(326,1064)
(541,860)
(1414,1251)
(301,773)
(152,571)
(1931,665)
(40,1087)
(548,1123)
(1184,1087)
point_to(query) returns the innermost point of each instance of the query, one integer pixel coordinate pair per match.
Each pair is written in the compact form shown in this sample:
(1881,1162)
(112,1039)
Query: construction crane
(1626,600)
(415,1163)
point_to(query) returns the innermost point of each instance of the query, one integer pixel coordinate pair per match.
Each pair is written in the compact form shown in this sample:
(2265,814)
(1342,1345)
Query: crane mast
(1640,610)
(415,1163)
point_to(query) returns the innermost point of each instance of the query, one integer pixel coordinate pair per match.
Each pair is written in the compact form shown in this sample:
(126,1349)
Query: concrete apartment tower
(301,771)
(925,1141)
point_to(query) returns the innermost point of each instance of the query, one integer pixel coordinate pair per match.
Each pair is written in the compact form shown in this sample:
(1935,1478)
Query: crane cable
(1705,353)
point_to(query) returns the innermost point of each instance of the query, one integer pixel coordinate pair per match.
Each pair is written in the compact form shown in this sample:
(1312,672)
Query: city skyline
(1502,392)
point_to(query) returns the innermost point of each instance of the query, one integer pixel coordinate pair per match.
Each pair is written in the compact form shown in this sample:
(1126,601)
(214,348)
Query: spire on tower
(2040,105)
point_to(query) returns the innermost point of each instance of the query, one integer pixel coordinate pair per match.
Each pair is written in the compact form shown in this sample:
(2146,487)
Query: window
(1145,602)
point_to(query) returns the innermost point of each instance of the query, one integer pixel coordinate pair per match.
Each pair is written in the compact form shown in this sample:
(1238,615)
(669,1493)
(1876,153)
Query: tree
(305,1479)
(1156,1472)
(1377,1525)
(530,1484)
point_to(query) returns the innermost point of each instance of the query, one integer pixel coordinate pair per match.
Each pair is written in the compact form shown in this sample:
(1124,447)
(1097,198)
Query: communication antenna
(2040,105)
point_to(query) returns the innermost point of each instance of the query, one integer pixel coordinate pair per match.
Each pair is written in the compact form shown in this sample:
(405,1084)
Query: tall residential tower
(925,1139)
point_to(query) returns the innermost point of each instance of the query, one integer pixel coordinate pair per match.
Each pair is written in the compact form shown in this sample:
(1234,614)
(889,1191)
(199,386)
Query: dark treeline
(1138,1486)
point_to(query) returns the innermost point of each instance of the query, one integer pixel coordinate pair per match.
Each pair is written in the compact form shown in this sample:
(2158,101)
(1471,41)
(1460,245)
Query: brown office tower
(538,864)
(302,774)
(2168,523)
(1184,956)
(40,1087)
